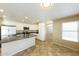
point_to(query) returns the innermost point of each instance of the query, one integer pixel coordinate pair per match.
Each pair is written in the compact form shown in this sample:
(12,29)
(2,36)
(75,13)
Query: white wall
(0,20)
(19,25)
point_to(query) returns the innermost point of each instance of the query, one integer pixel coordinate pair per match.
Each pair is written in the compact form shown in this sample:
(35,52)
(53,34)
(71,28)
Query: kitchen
(11,37)
(38,29)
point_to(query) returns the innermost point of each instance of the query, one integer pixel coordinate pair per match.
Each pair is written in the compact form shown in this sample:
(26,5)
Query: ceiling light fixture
(46,3)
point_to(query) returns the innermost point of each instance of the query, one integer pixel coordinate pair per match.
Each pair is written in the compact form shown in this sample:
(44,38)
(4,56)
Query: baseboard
(66,46)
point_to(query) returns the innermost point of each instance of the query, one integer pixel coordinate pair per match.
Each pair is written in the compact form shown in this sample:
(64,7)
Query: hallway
(46,48)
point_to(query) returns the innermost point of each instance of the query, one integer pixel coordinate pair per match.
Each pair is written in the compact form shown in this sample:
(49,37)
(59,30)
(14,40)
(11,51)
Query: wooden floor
(48,49)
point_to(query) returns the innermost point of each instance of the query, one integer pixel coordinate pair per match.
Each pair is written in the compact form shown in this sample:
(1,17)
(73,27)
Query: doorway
(49,32)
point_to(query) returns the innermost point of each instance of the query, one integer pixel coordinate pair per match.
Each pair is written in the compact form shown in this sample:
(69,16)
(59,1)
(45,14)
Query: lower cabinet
(14,47)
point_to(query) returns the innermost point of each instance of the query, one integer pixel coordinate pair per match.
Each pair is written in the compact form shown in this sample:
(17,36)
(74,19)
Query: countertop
(14,38)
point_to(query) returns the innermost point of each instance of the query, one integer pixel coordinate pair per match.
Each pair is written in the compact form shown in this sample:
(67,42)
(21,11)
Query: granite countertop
(14,38)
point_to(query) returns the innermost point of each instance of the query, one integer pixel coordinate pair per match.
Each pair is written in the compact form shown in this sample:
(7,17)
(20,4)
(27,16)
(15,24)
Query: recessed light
(1,10)
(26,17)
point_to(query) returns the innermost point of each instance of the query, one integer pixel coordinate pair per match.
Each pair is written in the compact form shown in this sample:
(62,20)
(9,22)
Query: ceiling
(34,11)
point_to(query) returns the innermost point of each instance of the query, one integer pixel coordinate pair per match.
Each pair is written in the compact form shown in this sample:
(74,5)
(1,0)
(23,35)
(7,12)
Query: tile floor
(47,48)
(0,51)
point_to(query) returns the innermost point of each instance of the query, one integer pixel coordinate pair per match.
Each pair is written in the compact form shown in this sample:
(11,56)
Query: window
(70,31)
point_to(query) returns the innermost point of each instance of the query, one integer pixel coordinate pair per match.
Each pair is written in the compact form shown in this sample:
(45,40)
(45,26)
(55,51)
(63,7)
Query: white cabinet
(8,30)
(4,30)
(11,30)
(14,47)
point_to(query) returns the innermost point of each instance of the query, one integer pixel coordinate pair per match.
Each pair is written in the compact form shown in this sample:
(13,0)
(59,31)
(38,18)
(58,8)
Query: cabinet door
(12,30)
(9,32)
(4,30)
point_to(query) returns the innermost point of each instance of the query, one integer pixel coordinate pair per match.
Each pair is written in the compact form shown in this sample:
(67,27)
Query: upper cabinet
(8,30)
(4,30)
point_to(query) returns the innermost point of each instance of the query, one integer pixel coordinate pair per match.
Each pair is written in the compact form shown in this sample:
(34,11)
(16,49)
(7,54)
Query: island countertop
(14,38)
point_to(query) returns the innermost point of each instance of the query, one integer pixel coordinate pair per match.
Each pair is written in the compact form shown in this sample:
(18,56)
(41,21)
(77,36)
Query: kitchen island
(14,44)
